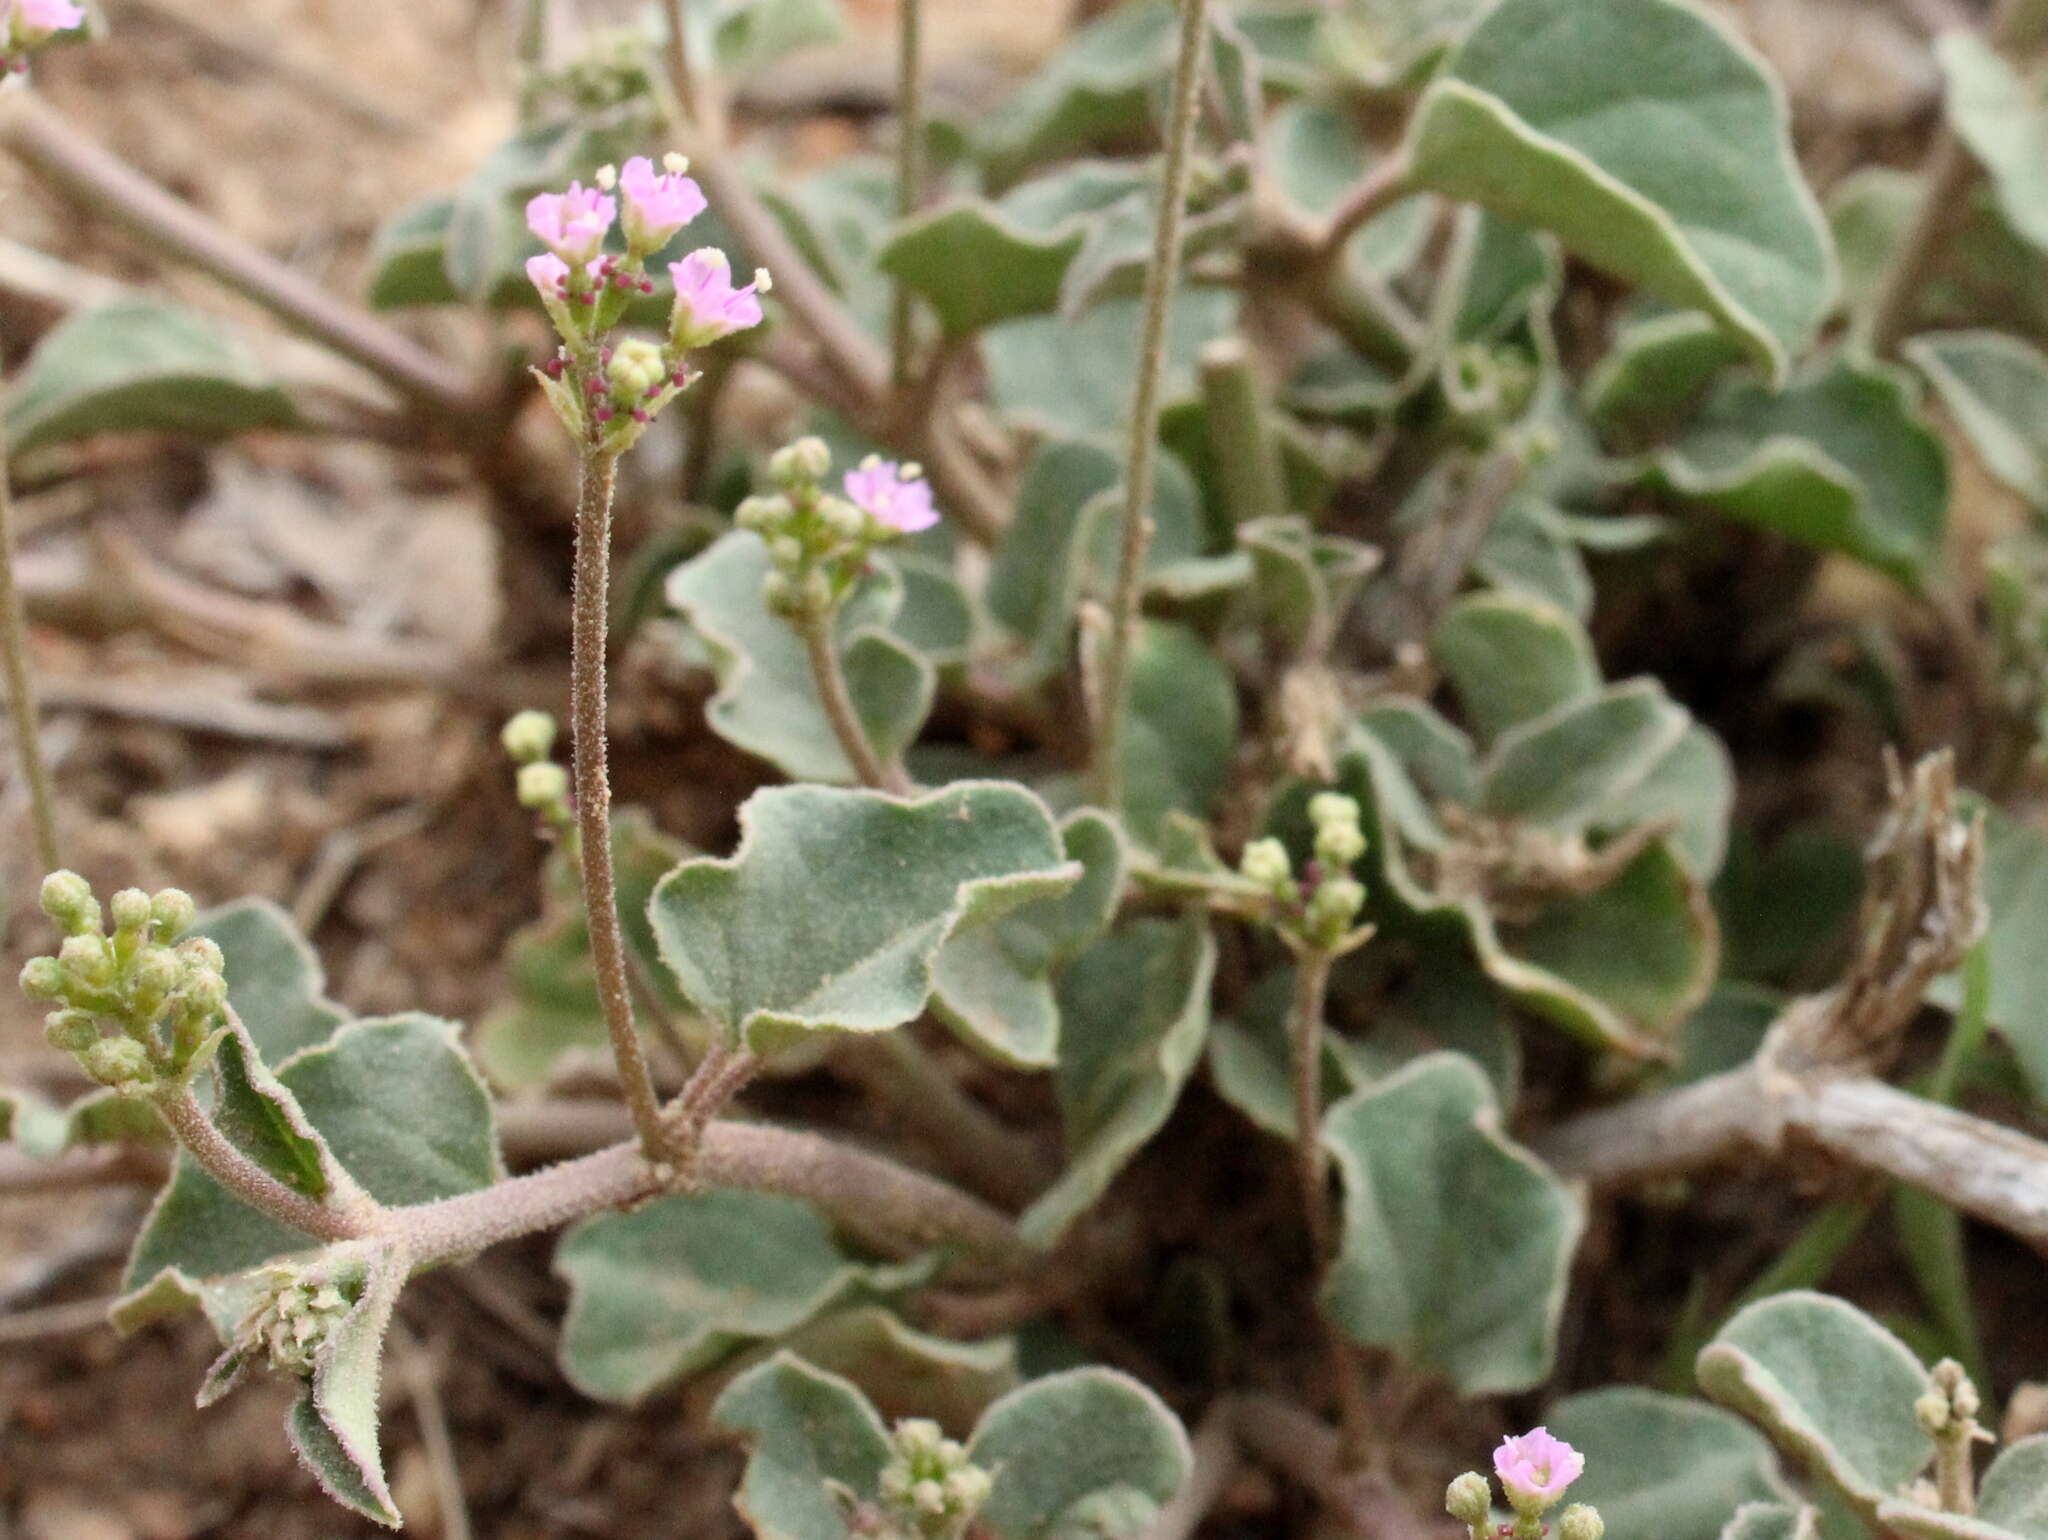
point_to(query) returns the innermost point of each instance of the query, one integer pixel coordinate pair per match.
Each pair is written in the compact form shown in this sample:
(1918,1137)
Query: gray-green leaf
(1996,387)
(1068,1438)
(1664,1465)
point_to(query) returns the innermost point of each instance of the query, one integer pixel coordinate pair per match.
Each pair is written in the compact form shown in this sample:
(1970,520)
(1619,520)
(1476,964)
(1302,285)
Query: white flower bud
(1469,1499)
(529,736)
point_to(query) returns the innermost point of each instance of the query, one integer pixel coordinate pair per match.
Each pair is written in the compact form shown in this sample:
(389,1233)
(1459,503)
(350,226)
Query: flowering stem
(833,695)
(909,174)
(1305,1055)
(589,639)
(248,1181)
(21,695)
(1105,769)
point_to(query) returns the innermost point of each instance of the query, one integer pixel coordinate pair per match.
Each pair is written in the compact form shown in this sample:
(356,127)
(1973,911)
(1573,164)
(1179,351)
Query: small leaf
(1830,1387)
(1512,659)
(1655,374)
(1317,153)
(42,1131)
(1133,1012)
(828,916)
(1457,1242)
(1689,189)
(992,983)
(1304,581)
(1181,733)
(2014,1495)
(140,366)
(1563,769)
(767,701)
(1996,388)
(275,982)
(1095,92)
(1664,1465)
(2004,122)
(908,1373)
(807,1429)
(1841,460)
(333,1424)
(659,1293)
(1070,1438)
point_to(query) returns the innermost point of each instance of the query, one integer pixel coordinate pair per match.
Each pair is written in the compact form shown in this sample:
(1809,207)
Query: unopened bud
(1932,1410)
(1339,844)
(637,367)
(1334,906)
(117,1061)
(968,1488)
(203,954)
(1581,1522)
(157,975)
(918,1437)
(204,994)
(67,898)
(1266,863)
(528,737)
(543,786)
(1469,1499)
(88,958)
(130,910)
(787,552)
(70,1031)
(761,514)
(43,980)
(173,911)
(928,1496)
(675,164)
(801,464)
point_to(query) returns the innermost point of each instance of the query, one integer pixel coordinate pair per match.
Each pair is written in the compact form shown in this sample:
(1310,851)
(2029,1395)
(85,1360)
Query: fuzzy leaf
(1133,1012)
(1512,659)
(1457,1242)
(1070,1438)
(1096,91)
(2004,122)
(1304,581)
(1996,388)
(275,981)
(1563,769)
(1656,372)
(659,1293)
(2014,1496)
(905,1372)
(1182,729)
(1829,1386)
(333,1424)
(1773,1521)
(1653,143)
(140,366)
(2016,894)
(806,1428)
(406,259)
(767,702)
(43,1131)
(829,915)
(992,983)
(1317,152)
(1073,376)
(1841,460)
(1664,1465)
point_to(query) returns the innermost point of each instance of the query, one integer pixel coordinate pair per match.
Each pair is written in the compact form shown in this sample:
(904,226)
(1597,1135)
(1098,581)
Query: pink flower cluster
(895,496)
(1535,1468)
(26,24)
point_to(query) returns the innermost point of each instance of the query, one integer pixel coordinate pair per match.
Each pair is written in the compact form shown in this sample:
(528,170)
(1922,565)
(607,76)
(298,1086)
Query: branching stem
(830,677)
(22,709)
(250,1182)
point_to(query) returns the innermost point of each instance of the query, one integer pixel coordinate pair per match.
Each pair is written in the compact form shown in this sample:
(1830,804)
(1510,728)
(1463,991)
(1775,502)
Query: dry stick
(57,151)
(421,1386)
(837,700)
(590,636)
(1105,766)
(250,1182)
(909,176)
(22,708)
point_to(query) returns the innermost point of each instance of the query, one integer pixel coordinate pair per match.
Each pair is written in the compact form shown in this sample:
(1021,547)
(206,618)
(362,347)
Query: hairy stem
(1105,768)
(1955,1470)
(22,709)
(909,176)
(250,1182)
(833,695)
(590,636)
(1371,196)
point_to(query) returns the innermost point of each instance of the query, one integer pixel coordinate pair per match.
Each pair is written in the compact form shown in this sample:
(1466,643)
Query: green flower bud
(1932,1409)
(156,977)
(1469,1500)
(801,464)
(44,980)
(917,1437)
(543,786)
(131,912)
(1333,907)
(968,1488)
(174,912)
(119,1062)
(896,1482)
(291,1320)
(1581,1522)
(842,519)
(816,593)
(67,899)
(928,1497)
(202,953)
(637,368)
(1339,844)
(1266,863)
(88,958)
(70,1031)
(528,736)
(1332,807)
(204,994)
(762,514)
(787,552)
(779,595)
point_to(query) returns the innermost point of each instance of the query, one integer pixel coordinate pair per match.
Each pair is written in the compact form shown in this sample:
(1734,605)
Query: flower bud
(67,899)
(1327,807)
(636,368)
(968,1488)
(157,976)
(1266,863)
(928,1497)
(1333,907)
(801,464)
(43,980)
(1469,1499)
(787,552)
(842,519)
(918,1437)
(118,1061)
(779,595)
(203,954)
(1339,844)
(204,994)
(173,911)
(761,514)
(528,736)
(1932,1410)
(1581,1522)
(543,786)
(130,910)
(70,1031)
(88,958)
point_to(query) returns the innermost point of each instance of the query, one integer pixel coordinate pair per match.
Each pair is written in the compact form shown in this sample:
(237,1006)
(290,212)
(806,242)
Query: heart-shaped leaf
(1690,190)
(829,915)
(1133,1012)
(1085,1437)
(1664,1465)
(1512,659)
(1996,388)
(140,366)
(1457,1242)
(659,1293)
(1830,1387)
(809,1431)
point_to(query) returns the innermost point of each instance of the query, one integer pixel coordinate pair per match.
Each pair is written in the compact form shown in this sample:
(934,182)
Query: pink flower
(572,224)
(892,495)
(550,274)
(1535,1469)
(707,305)
(657,205)
(44,16)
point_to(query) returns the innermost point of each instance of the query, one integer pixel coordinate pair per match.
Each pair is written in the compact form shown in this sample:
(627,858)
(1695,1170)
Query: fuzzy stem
(909,176)
(833,695)
(590,635)
(1955,1469)
(1371,196)
(22,709)
(250,1182)
(1105,769)
(1249,474)
(1305,1060)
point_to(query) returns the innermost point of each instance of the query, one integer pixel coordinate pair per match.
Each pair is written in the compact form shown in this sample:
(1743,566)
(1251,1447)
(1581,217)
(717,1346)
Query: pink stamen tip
(604,414)
(640,416)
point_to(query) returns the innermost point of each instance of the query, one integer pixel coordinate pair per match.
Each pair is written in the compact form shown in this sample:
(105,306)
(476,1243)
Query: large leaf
(663,1291)
(1133,1012)
(1652,142)
(829,915)
(905,1372)
(1664,1465)
(1842,460)
(1457,1242)
(1829,1386)
(1088,1436)
(2003,120)
(1564,769)
(807,1429)
(1095,92)
(140,366)
(1996,388)
(1657,371)
(767,701)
